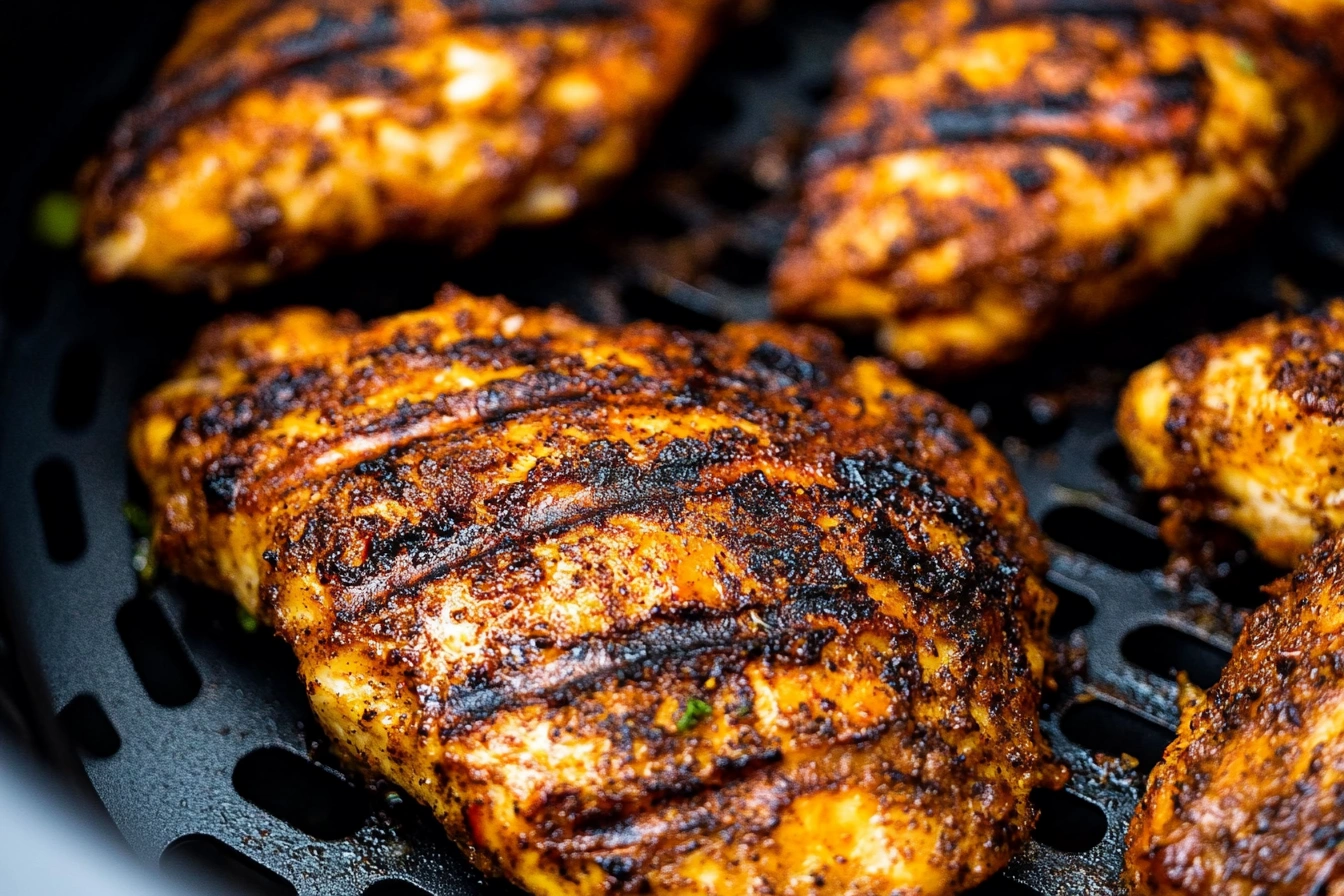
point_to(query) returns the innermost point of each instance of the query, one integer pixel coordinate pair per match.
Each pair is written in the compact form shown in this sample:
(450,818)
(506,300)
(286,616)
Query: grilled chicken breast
(1247,428)
(278,131)
(993,168)
(631,609)
(1249,798)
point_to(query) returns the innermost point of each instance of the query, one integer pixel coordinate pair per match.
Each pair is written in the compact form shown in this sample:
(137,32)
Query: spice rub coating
(1247,428)
(631,609)
(279,131)
(993,169)
(1249,798)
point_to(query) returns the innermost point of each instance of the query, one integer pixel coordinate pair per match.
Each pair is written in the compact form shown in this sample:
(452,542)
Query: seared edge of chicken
(631,609)
(278,131)
(992,169)
(1249,798)
(1246,428)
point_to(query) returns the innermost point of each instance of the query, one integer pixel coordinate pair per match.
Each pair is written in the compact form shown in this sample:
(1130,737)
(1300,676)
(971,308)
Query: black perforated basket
(194,731)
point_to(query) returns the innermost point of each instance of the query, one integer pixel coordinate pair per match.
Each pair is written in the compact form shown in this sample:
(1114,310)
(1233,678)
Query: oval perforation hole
(998,885)
(644,302)
(77,379)
(819,92)
(656,219)
(1243,585)
(760,48)
(734,190)
(1074,610)
(1105,728)
(316,801)
(89,728)
(739,267)
(394,888)
(1166,651)
(710,107)
(201,854)
(1113,543)
(1114,462)
(59,510)
(1067,823)
(158,655)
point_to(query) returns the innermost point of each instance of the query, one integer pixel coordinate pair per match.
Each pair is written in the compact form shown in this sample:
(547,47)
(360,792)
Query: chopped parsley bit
(138,517)
(143,562)
(246,621)
(696,711)
(56,219)
(1246,62)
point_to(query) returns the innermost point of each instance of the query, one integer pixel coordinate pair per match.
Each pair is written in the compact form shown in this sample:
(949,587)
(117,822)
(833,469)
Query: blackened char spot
(774,359)
(619,867)
(270,399)
(1181,86)
(220,484)
(848,603)
(1031,177)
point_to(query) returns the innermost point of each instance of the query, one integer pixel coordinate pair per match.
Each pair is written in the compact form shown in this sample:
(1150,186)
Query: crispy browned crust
(1247,428)
(1249,798)
(992,168)
(278,131)
(512,549)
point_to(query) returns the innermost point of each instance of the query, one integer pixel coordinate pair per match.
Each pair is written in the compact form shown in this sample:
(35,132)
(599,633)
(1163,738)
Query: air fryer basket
(194,731)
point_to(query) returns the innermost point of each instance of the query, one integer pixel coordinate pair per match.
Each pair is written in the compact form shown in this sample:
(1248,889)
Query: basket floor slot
(300,793)
(159,657)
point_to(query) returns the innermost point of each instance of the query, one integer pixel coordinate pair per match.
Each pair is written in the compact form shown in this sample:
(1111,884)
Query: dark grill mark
(1183,86)
(509,12)
(592,664)
(331,46)
(1001,119)
(1130,12)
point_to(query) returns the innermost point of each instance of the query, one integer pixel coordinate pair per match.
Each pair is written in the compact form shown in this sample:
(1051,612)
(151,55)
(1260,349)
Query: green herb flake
(56,220)
(143,560)
(1246,62)
(246,621)
(139,519)
(695,712)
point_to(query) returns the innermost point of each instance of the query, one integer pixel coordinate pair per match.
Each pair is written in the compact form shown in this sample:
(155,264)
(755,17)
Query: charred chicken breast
(993,168)
(1247,428)
(631,609)
(1249,798)
(278,131)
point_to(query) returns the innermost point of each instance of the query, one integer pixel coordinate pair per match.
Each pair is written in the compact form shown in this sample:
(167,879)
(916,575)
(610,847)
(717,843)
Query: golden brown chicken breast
(992,168)
(632,609)
(1249,798)
(281,130)
(1247,428)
